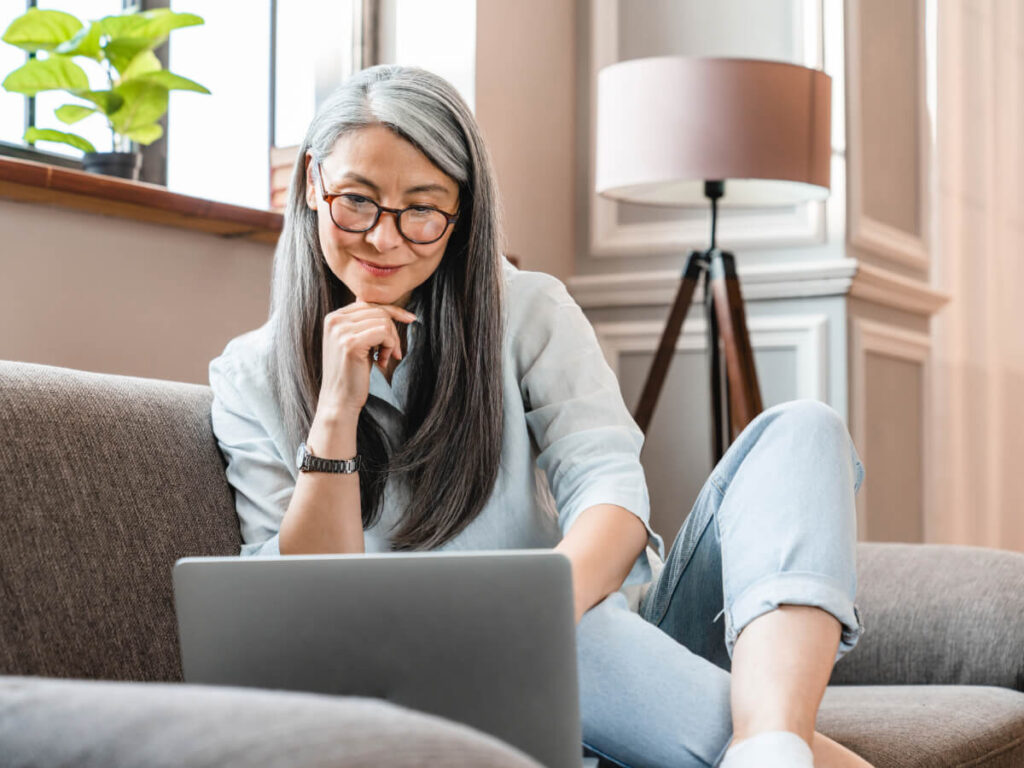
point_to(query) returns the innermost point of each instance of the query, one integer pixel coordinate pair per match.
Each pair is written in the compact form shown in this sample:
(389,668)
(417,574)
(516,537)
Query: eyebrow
(353,176)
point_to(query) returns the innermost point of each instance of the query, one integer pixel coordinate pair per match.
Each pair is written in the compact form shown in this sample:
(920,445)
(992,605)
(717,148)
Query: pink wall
(525,104)
(106,294)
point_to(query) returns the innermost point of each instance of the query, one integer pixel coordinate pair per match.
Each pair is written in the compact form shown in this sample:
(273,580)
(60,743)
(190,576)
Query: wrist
(332,435)
(335,417)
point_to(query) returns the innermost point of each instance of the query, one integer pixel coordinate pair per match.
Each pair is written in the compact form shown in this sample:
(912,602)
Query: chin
(368,290)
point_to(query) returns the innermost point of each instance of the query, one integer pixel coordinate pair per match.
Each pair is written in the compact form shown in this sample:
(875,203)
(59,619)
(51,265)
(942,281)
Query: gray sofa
(106,480)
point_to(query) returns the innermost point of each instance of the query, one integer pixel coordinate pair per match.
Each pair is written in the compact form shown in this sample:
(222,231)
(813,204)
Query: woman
(406,351)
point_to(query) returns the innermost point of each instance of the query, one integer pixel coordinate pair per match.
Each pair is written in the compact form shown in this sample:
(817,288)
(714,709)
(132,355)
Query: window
(12,105)
(311,59)
(219,146)
(439,35)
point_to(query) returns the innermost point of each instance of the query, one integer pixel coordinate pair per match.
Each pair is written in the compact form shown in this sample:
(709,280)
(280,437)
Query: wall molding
(801,225)
(802,279)
(821,277)
(871,337)
(881,286)
(901,247)
(806,335)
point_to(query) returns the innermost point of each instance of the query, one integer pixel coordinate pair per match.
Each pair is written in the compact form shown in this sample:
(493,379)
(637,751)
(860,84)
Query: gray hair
(453,417)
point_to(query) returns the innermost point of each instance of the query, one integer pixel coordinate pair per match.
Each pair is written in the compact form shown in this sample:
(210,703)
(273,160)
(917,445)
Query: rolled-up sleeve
(256,470)
(589,445)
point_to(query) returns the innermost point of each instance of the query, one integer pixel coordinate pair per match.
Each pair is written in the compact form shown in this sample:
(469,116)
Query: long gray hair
(453,418)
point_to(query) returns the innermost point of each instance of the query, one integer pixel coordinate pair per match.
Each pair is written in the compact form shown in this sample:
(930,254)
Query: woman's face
(377,164)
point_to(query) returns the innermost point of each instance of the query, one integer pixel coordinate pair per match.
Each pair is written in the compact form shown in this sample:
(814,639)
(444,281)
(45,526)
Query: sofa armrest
(937,614)
(89,723)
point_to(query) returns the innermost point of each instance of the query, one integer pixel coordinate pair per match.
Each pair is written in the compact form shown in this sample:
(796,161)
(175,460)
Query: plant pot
(124,165)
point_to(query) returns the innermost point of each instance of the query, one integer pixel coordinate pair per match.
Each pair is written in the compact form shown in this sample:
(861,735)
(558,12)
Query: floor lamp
(674,131)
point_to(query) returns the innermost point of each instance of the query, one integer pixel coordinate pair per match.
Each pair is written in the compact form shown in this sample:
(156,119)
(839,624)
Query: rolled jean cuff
(795,588)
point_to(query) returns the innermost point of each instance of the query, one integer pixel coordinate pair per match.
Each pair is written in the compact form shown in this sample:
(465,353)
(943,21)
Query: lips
(378,269)
(380,266)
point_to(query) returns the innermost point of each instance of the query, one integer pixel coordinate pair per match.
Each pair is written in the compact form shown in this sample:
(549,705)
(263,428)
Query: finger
(375,352)
(388,324)
(360,308)
(375,337)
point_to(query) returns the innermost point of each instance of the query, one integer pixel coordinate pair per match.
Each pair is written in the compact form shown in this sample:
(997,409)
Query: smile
(378,270)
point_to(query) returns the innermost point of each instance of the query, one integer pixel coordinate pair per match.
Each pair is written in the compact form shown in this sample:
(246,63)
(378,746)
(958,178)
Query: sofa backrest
(104,482)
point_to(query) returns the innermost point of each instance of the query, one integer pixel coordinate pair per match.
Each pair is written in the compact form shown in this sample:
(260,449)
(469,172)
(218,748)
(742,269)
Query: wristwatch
(307,462)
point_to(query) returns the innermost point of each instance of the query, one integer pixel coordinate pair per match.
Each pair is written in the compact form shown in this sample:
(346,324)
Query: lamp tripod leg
(696,267)
(714,372)
(745,393)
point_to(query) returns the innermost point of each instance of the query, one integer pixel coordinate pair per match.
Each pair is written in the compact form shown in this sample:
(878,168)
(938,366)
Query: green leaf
(122,25)
(108,101)
(172,82)
(140,65)
(160,21)
(145,134)
(144,103)
(121,51)
(50,74)
(48,134)
(37,30)
(153,26)
(85,43)
(72,113)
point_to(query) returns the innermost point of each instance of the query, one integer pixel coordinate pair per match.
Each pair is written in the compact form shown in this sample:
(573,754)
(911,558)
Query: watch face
(298,456)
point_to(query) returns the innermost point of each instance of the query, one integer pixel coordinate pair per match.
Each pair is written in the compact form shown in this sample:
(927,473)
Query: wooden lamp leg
(745,394)
(696,265)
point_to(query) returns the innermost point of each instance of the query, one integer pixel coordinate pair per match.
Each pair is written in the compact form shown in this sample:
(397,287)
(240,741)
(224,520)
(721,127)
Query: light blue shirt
(569,442)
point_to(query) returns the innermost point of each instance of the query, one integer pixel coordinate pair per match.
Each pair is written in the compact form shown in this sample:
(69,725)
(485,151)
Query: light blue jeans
(774,523)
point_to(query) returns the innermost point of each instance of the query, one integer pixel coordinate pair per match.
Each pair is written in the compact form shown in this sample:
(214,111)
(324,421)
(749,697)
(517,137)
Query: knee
(810,416)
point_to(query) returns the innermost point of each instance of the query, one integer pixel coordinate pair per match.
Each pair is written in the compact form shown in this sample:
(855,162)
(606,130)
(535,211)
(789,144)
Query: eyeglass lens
(357,213)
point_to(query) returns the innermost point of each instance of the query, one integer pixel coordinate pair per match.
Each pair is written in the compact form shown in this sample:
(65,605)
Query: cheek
(333,241)
(432,257)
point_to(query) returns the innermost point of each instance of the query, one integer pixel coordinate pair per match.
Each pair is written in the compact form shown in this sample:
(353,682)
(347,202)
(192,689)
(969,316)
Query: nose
(385,235)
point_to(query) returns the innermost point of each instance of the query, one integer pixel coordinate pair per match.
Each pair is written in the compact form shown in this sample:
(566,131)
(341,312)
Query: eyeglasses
(420,224)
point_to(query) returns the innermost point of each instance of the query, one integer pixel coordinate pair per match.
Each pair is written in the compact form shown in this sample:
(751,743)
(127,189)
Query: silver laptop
(483,638)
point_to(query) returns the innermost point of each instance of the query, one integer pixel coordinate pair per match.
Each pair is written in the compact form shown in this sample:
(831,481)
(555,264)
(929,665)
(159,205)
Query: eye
(356,202)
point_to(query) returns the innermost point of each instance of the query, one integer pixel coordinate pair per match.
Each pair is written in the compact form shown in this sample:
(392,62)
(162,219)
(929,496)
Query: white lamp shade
(667,124)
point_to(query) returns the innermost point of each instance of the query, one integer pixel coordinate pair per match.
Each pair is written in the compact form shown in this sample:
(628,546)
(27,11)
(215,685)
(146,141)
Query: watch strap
(311,463)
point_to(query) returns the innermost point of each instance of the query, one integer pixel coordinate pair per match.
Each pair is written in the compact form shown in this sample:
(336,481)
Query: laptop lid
(483,638)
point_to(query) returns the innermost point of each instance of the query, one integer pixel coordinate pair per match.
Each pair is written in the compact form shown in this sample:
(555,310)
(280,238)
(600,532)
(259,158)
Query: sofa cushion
(104,482)
(937,614)
(97,724)
(926,726)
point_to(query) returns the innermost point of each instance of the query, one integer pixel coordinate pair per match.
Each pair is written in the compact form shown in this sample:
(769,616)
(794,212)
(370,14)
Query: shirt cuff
(269,548)
(641,572)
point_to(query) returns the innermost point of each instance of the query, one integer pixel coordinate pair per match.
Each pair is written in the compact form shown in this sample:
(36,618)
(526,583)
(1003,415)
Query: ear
(311,190)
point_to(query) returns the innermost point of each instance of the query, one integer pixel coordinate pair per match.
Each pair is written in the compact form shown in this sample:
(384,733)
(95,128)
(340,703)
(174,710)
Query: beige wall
(975,479)
(525,104)
(110,295)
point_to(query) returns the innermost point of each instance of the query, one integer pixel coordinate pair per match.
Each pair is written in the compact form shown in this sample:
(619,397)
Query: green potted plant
(138,86)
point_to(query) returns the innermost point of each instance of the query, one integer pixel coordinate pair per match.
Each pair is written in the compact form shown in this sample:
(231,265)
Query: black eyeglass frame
(451,218)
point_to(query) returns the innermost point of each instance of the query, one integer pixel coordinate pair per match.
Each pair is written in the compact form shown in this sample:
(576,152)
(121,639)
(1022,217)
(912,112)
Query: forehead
(378,154)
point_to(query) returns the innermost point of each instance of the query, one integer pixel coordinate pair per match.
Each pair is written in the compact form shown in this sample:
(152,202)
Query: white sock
(770,749)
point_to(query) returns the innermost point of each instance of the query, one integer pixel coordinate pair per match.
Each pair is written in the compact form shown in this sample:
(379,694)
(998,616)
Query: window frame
(154,156)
